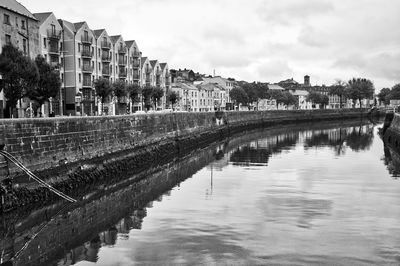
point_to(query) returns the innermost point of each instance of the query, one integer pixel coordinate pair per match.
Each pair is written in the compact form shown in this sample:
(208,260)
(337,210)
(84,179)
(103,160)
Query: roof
(153,63)
(130,43)
(98,33)
(115,38)
(79,25)
(163,65)
(16,7)
(299,92)
(143,61)
(66,23)
(42,16)
(275,87)
(185,86)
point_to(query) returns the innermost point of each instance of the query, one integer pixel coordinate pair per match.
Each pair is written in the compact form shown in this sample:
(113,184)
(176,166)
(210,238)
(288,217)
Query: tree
(282,97)
(147,93)
(239,96)
(394,93)
(360,88)
(156,96)
(134,91)
(384,96)
(103,90)
(318,98)
(173,98)
(49,82)
(289,99)
(20,75)
(120,90)
(339,89)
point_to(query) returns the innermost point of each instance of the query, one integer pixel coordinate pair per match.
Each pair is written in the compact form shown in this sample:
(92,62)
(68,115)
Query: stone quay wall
(48,143)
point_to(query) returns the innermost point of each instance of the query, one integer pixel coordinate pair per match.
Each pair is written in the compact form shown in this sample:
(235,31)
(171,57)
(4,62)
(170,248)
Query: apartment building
(188,96)
(227,84)
(51,48)
(146,70)
(20,28)
(155,73)
(119,58)
(165,81)
(78,62)
(134,56)
(104,53)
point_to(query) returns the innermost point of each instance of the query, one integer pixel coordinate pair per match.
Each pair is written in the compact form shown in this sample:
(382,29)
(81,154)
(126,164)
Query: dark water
(310,194)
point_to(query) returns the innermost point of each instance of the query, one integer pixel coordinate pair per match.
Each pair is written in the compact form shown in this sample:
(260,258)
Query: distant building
(226,84)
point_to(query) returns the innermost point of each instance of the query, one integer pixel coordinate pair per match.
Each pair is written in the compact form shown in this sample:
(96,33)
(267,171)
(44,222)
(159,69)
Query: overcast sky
(262,40)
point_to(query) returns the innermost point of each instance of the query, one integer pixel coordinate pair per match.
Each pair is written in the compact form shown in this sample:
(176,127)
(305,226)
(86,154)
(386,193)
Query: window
(62,61)
(99,52)
(16,22)
(6,19)
(44,42)
(23,24)
(80,77)
(62,77)
(24,48)
(79,47)
(8,39)
(61,46)
(79,62)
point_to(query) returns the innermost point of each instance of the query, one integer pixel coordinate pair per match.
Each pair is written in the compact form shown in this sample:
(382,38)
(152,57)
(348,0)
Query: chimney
(306,80)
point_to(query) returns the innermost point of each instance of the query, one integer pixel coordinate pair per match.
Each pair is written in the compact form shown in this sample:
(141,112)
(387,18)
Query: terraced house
(51,47)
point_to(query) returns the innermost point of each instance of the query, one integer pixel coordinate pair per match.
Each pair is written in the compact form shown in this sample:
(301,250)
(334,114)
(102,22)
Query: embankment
(73,151)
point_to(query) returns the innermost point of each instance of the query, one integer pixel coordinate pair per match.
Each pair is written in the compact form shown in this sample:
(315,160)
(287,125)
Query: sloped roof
(115,38)
(130,43)
(68,24)
(163,65)
(143,61)
(79,25)
(186,86)
(153,63)
(42,16)
(98,33)
(16,7)
(299,92)
(275,87)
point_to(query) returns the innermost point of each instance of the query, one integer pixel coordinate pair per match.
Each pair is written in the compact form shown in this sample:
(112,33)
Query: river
(307,194)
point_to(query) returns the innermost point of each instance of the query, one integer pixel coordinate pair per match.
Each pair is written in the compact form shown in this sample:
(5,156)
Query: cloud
(275,69)
(292,11)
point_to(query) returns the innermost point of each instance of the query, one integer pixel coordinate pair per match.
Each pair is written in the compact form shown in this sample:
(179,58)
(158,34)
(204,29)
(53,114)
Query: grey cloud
(291,11)
(311,37)
(275,69)
(223,35)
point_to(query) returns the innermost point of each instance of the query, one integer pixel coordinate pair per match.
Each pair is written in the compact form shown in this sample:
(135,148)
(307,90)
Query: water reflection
(278,188)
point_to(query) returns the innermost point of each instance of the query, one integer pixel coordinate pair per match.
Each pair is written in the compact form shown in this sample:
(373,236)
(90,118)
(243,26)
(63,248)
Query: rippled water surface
(307,195)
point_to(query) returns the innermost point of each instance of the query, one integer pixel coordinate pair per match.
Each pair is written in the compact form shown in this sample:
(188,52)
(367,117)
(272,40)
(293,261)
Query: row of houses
(81,55)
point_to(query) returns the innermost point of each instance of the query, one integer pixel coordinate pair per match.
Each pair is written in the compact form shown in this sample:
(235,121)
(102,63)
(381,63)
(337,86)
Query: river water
(311,194)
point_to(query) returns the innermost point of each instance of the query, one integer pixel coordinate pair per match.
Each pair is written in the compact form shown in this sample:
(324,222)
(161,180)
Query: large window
(8,39)
(6,19)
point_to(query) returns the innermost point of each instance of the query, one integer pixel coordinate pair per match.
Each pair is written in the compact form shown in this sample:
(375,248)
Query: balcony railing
(122,50)
(167,82)
(106,58)
(122,61)
(86,53)
(87,39)
(87,68)
(54,49)
(136,63)
(105,45)
(56,65)
(136,54)
(148,70)
(106,72)
(122,73)
(53,34)
(87,83)
(136,76)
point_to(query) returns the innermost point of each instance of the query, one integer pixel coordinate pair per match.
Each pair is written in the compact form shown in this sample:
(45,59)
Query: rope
(34,177)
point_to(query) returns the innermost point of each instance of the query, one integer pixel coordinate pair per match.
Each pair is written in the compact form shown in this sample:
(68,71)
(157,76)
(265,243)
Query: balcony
(105,45)
(136,54)
(87,69)
(167,82)
(135,63)
(87,83)
(106,72)
(122,73)
(148,71)
(86,39)
(53,49)
(122,50)
(86,53)
(54,34)
(106,58)
(55,65)
(122,61)
(136,76)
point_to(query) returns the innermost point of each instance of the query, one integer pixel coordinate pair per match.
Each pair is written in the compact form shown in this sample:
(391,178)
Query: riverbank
(76,151)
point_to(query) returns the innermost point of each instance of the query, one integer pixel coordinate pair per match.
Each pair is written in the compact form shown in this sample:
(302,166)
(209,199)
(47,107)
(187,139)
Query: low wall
(46,143)
(391,134)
